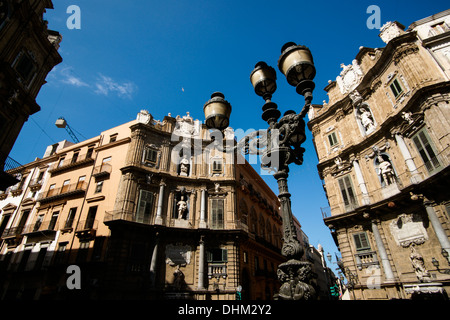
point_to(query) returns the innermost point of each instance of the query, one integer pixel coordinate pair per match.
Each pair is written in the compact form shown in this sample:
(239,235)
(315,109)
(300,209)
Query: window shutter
(361,241)
(224,255)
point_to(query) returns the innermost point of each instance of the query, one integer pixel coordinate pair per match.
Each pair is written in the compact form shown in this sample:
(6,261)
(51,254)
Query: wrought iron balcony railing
(75,161)
(75,189)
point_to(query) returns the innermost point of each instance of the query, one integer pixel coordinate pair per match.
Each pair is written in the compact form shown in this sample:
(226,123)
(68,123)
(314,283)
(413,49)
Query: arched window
(243,212)
(253,221)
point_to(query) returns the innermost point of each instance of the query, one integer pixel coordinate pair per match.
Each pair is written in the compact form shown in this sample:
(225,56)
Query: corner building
(28,52)
(383,146)
(147,210)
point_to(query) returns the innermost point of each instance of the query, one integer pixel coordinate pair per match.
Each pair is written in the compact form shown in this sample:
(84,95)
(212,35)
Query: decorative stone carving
(350,77)
(144,117)
(184,166)
(341,167)
(186,126)
(178,255)
(419,266)
(408,229)
(391,30)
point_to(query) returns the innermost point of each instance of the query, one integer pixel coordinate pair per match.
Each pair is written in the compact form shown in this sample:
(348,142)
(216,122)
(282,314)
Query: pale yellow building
(147,210)
(382,141)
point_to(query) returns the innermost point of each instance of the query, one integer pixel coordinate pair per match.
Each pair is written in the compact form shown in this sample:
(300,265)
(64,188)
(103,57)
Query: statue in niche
(386,171)
(365,116)
(419,266)
(182,208)
(178,281)
(184,166)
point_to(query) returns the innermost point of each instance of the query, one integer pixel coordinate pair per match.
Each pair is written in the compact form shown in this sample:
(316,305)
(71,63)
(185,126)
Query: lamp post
(279,146)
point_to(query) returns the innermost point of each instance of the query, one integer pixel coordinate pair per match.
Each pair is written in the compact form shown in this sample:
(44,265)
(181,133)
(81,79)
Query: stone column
(201,265)
(158,219)
(361,182)
(415,176)
(153,262)
(203,209)
(437,226)
(382,251)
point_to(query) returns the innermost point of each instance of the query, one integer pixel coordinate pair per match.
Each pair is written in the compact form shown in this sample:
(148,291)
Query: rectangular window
(217,165)
(361,241)
(332,139)
(145,206)
(396,88)
(150,155)
(75,156)
(80,183)
(38,223)
(60,253)
(426,151)
(61,162)
(51,190)
(90,152)
(24,260)
(70,218)
(53,220)
(99,187)
(217,214)
(65,186)
(91,217)
(25,67)
(40,259)
(348,194)
(217,255)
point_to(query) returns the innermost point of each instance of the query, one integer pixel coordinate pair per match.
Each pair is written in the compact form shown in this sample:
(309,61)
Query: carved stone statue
(184,166)
(366,119)
(419,266)
(407,116)
(178,281)
(182,208)
(386,171)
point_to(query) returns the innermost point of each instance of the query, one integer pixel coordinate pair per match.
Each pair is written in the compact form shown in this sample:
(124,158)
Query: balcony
(86,229)
(13,236)
(46,228)
(127,216)
(102,171)
(74,162)
(35,184)
(217,270)
(425,172)
(73,190)
(366,259)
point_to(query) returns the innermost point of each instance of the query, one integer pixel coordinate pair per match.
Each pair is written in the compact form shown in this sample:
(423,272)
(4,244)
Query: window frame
(347,197)
(333,136)
(359,239)
(396,84)
(433,164)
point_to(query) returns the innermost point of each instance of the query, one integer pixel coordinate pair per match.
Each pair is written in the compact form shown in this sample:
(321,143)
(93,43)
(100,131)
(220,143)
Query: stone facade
(28,52)
(147,210)
(382,142)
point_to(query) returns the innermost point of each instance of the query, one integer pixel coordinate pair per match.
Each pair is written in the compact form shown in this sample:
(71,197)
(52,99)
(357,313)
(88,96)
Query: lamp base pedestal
(295,276)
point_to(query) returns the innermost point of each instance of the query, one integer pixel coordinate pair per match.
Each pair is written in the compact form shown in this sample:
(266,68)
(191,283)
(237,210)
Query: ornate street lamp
(279,146)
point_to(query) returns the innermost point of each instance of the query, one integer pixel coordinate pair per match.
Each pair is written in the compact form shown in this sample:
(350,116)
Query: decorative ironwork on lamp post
(279,146)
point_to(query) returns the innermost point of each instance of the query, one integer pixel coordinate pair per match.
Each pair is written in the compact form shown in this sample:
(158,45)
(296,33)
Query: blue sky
(169,56)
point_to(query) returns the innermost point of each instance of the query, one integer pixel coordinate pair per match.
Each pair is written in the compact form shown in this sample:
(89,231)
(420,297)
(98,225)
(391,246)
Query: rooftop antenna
(62,123)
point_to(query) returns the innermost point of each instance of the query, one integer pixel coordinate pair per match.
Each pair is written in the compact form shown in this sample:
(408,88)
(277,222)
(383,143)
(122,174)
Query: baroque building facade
(28,52)
(383,146)
(146,210)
